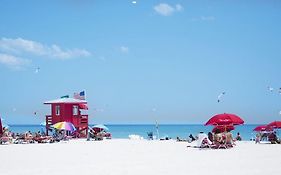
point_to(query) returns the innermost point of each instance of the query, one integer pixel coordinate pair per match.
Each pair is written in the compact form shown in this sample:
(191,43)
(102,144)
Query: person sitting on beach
(6,136)
(91,134)
(264,136)
(238,137)
(5,132)
(150,135)
(229,139)
(179,139)
(192,138)
(210,136)
(37,134)
(28,137)
(217,136)
(272,137)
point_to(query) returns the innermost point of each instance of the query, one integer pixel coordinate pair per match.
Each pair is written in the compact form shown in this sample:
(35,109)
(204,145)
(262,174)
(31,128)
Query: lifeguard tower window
(57,110)
(75,110)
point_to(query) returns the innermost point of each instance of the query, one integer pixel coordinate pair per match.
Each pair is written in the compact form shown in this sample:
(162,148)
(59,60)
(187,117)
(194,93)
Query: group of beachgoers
(8,137)
(216,139)
(35,137)
(267,136)
(219,139)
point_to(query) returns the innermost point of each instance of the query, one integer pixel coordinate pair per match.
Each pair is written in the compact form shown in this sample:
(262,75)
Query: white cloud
(207,18)
(57,52)
(15,63)
(166,9)
(124,49)
(21,46)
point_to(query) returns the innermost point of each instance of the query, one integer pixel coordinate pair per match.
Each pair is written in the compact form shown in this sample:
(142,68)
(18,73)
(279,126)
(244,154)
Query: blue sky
(140,62)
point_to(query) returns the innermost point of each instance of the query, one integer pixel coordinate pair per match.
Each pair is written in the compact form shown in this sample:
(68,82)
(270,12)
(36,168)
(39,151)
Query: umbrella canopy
(263,128)
(65,126)
(222,128)
(100,127)
(225,119)
(275,124)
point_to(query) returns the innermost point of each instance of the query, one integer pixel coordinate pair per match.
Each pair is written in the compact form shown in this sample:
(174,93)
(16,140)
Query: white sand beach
(138,157)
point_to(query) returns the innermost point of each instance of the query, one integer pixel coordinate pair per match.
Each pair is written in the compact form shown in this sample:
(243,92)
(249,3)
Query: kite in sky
(37,70)
(270,88)
(220,96)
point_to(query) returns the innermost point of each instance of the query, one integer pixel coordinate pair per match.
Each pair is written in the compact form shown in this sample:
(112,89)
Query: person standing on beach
(258,137)
(238,137)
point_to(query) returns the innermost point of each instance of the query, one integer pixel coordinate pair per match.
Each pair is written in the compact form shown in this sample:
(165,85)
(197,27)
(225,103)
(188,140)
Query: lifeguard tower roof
(66,100)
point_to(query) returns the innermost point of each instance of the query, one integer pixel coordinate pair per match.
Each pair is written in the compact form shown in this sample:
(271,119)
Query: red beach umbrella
(223,128)
(225,119)
(275,124)
(263,128)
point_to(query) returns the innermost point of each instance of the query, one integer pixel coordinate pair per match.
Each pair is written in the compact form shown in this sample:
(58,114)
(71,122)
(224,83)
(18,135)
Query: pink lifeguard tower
(68,110)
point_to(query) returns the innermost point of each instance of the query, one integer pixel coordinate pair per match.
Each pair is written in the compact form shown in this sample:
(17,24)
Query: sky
(142,61)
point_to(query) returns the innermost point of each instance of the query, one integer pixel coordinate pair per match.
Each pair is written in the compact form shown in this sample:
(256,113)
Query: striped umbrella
(65,126)
(100,126)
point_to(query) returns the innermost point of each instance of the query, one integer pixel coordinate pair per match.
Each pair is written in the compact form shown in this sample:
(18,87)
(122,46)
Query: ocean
(166,130)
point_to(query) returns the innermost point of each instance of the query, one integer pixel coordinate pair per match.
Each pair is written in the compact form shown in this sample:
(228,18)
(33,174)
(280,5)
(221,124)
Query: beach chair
(5,140)
(28,138)
(218,145)
(150,135)
(107,135)
(42,139)
(180,140)
(19,139)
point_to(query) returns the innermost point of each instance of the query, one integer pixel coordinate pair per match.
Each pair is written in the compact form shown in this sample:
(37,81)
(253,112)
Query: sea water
(167,130)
